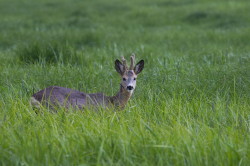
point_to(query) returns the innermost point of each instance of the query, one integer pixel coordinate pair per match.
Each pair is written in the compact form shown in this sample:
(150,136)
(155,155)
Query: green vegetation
(192,101)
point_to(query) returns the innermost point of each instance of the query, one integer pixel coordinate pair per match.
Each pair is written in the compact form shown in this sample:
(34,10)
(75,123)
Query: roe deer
(55,96)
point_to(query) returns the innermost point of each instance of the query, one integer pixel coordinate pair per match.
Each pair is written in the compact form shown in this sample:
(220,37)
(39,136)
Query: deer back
(55,96)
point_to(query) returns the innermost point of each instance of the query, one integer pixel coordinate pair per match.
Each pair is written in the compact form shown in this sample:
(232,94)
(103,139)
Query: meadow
(192,101)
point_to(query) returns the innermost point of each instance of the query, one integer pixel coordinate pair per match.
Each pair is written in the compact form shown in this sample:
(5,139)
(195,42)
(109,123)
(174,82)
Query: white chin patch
(130,91)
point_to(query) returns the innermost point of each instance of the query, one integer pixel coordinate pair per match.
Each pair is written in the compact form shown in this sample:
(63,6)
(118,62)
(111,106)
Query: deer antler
(132,58)
(124,62)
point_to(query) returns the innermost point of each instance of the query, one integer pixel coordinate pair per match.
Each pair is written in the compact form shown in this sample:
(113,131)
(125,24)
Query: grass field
(192,101)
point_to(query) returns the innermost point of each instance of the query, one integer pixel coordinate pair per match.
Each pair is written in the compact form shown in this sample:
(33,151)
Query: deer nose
(130,87)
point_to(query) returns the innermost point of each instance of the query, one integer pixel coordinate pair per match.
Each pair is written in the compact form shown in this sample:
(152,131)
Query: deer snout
(130,87)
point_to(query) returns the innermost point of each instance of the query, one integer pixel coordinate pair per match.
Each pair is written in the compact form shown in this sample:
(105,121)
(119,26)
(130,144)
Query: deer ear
(139,67)
(119,67)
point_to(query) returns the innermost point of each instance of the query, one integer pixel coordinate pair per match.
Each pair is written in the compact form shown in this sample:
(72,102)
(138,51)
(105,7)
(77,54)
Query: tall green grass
(192,101)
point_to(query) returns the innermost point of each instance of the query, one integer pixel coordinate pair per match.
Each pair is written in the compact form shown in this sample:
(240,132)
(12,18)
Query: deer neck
(121,98)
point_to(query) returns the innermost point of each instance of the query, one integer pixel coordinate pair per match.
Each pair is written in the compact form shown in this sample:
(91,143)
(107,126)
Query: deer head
(129,75)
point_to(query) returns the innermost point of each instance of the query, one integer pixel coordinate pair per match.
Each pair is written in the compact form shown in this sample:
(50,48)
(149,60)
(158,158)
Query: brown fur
(55,96)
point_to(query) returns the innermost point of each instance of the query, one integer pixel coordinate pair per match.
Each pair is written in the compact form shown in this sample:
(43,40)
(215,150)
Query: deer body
(55,96)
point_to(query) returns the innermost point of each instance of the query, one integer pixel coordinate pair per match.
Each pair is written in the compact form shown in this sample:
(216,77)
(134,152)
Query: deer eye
(124,79)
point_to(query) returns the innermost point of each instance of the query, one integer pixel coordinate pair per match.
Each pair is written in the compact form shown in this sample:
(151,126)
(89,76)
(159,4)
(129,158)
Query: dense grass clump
(191,104)
(51,52)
